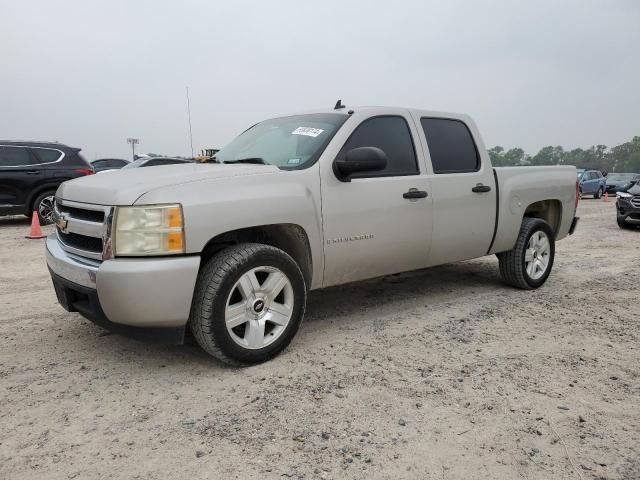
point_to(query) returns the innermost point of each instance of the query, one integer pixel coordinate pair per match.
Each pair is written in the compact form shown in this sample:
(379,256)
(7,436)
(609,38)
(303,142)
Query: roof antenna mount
(339,105)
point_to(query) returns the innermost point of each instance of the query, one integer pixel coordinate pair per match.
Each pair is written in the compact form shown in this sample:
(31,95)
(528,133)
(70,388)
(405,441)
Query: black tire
(38,206)
(598,194)
(512,263)
(622,223)
(215,284)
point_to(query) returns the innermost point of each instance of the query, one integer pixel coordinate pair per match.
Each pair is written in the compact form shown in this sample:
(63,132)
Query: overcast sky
(92,73)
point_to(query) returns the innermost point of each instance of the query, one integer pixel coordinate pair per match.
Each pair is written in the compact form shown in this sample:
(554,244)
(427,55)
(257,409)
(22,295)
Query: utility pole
(133,142)
(189,116)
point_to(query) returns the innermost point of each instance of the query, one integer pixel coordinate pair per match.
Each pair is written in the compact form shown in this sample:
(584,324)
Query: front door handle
(33,172)
(415,193)
(479,188)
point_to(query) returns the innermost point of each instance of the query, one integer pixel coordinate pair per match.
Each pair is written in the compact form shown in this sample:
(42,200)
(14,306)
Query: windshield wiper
(255,160)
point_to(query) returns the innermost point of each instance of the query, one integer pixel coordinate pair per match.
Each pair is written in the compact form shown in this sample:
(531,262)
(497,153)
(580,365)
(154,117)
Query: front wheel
(248,303)
(529,263)
(622,222)
(598,194)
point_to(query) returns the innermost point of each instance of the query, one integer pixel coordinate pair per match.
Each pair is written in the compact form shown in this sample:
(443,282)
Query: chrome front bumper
(146,293)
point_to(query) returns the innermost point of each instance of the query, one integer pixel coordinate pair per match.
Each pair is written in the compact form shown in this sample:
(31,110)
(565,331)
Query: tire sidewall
(543,226)
(267,257)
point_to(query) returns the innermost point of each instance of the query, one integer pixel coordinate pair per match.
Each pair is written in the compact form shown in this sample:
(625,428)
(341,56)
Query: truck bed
(529,189)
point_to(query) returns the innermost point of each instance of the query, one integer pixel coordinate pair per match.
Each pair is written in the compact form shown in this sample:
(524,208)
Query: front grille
(82,229)
(81,242)
(88,215)
(635,201)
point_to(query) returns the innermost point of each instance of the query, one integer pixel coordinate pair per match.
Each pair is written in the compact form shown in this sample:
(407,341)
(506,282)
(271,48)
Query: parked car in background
(105,164)
(591,182)
(31,172)
(628,206)
(635,180)
(615,182)
(156,162)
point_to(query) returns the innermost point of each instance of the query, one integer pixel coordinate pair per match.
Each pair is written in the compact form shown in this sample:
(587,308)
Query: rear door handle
(481,188)
(33,172)
(415,193)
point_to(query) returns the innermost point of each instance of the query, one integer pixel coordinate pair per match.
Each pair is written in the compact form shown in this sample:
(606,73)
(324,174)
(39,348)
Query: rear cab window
(451,145)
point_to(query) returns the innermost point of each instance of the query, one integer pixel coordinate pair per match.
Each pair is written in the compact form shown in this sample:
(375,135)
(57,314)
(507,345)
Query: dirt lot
(443,373)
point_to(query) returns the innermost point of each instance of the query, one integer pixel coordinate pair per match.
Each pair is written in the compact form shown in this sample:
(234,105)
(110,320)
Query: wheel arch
(548,210)
(38,191)
(288,237)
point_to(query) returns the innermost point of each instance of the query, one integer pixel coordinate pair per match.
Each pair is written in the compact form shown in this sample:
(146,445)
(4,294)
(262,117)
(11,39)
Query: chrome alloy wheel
(45,209)
(259,307)
(536,256)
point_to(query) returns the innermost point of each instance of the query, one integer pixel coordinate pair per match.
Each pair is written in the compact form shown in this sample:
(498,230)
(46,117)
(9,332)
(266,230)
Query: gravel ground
(442,373)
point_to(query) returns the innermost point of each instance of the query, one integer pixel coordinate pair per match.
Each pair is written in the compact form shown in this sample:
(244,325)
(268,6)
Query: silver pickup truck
(295,203)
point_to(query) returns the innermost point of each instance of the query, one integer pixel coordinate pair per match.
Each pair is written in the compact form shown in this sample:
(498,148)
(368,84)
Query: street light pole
(189,117)
(133,142)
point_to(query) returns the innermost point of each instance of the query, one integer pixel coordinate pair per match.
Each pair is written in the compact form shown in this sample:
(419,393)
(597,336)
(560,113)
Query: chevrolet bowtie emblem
(62,223)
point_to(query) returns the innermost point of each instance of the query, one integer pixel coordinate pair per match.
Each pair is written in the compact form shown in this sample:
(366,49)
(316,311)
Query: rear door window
(391,134)
(451,146)
(46,155)
(14,157)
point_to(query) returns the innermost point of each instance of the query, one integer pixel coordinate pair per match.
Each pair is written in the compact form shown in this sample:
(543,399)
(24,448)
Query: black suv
(628,206)
(30,173)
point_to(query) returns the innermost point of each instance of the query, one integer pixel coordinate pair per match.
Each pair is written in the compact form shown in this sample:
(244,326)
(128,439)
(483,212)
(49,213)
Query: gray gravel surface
(442,373)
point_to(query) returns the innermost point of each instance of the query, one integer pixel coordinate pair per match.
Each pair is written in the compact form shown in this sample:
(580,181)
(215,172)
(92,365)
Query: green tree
(621,158)
(517,157)
(495,154)
(549,156)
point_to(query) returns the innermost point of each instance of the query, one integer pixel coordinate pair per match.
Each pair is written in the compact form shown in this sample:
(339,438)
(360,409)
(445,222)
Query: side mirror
(361,159)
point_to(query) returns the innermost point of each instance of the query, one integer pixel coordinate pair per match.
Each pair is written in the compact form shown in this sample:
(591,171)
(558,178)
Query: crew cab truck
(295,203)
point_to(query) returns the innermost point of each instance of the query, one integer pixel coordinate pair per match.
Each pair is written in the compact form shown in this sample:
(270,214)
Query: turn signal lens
(148,230)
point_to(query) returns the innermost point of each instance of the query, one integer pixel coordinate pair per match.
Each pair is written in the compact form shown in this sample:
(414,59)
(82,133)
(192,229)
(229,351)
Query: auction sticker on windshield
(310,132)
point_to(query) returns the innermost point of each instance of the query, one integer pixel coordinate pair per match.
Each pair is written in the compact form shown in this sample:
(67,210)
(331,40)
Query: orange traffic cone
(606,196)
(36,231)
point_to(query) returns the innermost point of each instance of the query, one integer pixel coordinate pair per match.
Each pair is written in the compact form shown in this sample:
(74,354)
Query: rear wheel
(598,194)
(43,205)
(529,263)
(248,304)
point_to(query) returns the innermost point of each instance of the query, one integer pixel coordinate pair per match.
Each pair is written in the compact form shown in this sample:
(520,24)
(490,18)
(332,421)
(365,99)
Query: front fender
(216,206)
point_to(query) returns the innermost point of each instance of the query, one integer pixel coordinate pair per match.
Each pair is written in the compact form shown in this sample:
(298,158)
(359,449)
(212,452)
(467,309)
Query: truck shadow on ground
(325,307)
(429,285)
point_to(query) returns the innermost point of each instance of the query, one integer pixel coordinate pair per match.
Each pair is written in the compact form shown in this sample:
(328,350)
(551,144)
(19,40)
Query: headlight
(623,195)
(148,230)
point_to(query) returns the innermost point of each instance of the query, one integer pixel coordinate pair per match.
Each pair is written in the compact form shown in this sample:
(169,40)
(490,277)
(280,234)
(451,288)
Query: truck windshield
(289,142)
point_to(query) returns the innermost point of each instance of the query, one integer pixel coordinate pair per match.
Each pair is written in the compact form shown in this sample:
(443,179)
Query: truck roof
(382,110)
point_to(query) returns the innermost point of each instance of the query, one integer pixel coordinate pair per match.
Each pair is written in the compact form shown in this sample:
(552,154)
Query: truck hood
(124,187)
